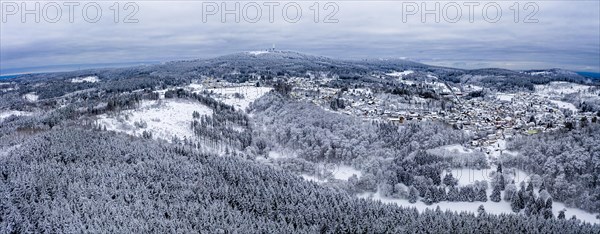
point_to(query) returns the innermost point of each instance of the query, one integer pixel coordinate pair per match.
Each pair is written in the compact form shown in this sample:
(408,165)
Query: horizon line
(57,68)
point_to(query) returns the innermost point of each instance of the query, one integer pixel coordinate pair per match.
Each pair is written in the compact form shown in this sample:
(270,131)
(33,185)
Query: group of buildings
(489,119)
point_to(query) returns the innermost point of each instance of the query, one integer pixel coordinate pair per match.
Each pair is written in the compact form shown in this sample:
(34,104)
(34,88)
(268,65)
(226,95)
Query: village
(489,119)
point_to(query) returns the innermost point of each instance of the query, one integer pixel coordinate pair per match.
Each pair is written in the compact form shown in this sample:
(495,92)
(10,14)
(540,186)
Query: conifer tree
(413,195)
(495,197)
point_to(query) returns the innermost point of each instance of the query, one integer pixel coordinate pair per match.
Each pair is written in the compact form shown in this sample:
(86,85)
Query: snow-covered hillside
(258,52)
(164,119)
(239,97)
(564,105)
(31,97)
(559,88)
(400,74)
(6,114)
(90,79)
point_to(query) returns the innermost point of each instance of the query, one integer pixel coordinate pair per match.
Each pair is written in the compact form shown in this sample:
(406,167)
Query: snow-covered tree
(496,193)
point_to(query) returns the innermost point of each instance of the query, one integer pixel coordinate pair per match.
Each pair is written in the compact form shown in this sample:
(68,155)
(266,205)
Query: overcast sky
(567,34)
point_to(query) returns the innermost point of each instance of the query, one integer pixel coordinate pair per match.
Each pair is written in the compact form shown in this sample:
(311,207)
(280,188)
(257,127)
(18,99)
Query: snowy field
(491,207)
(553,95)
(440,86)
(564,105)
(31,97)
(505,97)
(6,114)
(258,52)
(466,176)
(343,172)
(499,148)
(457,149)
(539,73)
(400,74)
(461,154)
(560,88)
(249,95)
(90,79)
(555,91)
(164,119)
(451,151)
(474,88)
(6,87)
(407,82)
(275,155)
(238,97)
(339,172)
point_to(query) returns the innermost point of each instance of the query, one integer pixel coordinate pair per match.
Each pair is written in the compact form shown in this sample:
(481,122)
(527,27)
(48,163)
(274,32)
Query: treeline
(73,180)
(447,189)
(202,98)
(567,161)
(220,130)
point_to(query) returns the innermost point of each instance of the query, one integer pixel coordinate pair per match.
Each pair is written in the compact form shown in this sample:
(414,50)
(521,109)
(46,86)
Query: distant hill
(272,65)
(592,75)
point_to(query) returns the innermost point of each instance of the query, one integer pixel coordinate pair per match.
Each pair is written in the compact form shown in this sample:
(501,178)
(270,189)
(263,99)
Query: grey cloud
(566,37)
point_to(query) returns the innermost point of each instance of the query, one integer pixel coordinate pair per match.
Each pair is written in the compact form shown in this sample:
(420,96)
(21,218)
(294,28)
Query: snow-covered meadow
(400,74)
(555,91)
(258,52)
(90,79)
(7,113)
(31,97)
(239,97)
(559,88)
(338,172)
(502,207)
(167,118)
(164,119)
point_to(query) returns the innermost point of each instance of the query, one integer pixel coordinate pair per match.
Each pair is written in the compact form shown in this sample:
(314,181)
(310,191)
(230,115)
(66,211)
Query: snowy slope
(344,172)
(6,114)
(31,97)
(564,105)
(239,97)
(555,91)
(400,74)
(164,119)
(560,88)
(258,52)
(501,207)
(90,79)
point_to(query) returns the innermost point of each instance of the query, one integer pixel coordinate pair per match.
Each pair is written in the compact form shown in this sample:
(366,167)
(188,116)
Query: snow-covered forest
(283,142)
(568,163)
(75,180)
